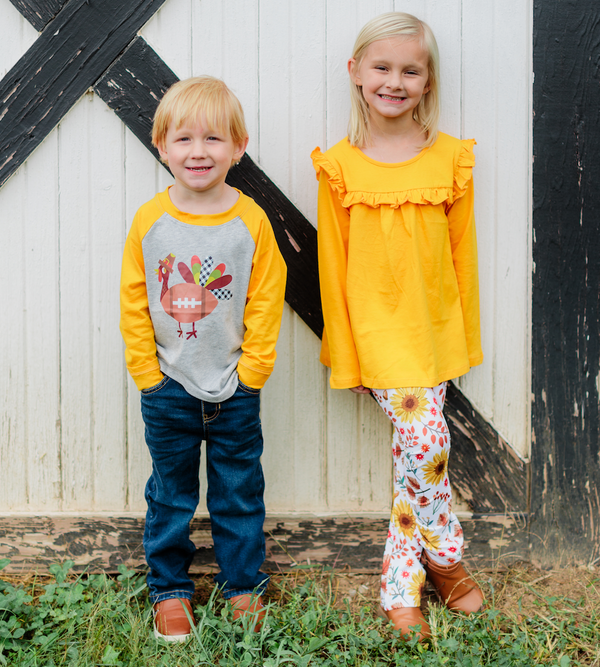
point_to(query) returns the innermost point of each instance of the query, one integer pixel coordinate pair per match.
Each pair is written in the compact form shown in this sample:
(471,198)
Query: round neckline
(215,218)
(418,156)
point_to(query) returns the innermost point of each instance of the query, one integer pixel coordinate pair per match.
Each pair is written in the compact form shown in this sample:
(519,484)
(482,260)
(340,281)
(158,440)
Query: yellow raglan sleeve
(136,324)
(463,239)
(338,349)
(264,305)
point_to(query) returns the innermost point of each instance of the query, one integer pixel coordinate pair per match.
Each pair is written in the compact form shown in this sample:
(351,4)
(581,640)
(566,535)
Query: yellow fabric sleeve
(136,324)
(264,304)
(463,239)
(333,229)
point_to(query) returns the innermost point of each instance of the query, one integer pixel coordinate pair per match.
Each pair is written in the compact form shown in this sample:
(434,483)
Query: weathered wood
(485,470)
(133,87)
(71,53)
(101,544)
(565,500)
(39,12)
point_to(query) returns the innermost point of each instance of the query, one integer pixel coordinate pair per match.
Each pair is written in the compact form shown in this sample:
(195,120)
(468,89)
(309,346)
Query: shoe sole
(172,639)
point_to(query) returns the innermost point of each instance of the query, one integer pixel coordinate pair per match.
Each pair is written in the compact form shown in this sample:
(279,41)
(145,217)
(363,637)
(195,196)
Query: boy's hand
(360,390)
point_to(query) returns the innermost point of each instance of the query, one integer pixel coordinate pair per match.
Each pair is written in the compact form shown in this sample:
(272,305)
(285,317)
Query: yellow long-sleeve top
(398,266)
(201,297)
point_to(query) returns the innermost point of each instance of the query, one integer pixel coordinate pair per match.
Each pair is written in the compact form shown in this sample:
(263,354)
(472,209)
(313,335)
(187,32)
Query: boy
(202,290)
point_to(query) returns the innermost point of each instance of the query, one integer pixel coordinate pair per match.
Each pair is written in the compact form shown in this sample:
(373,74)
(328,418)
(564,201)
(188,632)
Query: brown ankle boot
(406,618)
(454,586)
(251,606)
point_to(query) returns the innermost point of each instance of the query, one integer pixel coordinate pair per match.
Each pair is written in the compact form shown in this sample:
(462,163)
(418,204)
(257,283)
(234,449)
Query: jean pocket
(156,387)
(248,390)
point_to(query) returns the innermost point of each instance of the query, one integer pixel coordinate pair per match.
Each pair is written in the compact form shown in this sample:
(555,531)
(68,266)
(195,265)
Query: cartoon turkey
(198,296)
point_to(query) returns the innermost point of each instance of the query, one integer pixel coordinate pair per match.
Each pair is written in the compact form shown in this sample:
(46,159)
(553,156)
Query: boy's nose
(198,149)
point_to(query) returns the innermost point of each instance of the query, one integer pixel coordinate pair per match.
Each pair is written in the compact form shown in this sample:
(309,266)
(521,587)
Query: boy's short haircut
(196,100)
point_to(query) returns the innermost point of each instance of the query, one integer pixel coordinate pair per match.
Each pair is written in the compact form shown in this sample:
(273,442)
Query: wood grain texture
(566,299)
(69,56)
(101,544)
(485,470)
(39,12)
(335,446)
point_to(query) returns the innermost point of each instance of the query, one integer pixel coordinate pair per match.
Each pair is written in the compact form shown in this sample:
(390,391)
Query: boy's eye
(213,138)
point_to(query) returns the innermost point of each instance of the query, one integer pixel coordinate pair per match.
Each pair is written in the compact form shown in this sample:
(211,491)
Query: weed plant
(97,620)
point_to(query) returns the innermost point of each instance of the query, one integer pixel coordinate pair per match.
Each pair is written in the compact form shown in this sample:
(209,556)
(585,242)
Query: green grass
(98,620)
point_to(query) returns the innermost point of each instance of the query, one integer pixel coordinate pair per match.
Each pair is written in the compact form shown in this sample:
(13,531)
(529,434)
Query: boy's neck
(217,200)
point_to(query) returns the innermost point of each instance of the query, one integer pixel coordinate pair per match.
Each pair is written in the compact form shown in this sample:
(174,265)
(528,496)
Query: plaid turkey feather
(205,271)
(222,294)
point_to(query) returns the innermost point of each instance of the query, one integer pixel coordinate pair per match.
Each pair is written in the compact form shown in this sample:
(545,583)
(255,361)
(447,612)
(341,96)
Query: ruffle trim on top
(463,173)
(320,162)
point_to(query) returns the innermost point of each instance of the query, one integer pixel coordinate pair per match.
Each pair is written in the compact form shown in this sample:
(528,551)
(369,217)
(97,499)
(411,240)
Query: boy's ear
(162,152)
(240,149)
(354,76)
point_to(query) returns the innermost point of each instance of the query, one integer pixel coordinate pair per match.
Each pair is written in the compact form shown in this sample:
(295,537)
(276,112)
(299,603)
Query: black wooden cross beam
(94,43)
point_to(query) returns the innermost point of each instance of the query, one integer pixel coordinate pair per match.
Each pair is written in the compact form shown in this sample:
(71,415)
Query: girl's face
(394,77)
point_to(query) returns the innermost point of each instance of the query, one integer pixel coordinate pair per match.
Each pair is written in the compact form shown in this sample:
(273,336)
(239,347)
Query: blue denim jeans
(176,423)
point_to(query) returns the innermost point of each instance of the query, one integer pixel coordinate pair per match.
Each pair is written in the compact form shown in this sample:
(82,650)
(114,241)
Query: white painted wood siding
(71,436)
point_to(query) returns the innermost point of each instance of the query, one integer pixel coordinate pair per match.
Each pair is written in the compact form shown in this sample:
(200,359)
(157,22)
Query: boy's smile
(199,159)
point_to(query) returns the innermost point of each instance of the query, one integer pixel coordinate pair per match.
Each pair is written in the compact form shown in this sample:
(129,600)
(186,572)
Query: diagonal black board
(130,77)
(71,53)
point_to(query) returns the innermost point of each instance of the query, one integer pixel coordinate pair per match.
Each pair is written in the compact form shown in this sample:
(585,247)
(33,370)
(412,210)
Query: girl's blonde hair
(427,113)
(197,100)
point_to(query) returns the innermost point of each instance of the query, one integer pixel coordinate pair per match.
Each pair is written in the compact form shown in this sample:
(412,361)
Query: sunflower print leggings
(422,515)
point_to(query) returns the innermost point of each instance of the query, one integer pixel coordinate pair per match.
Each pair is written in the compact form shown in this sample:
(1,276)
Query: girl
(399,285)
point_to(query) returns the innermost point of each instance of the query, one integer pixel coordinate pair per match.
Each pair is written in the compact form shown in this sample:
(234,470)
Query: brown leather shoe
(171,622)
(249,605)
(454,586)
(406,618)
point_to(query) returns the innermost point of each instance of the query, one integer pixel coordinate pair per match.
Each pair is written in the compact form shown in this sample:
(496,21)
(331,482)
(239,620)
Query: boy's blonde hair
(196,100)
(427,113)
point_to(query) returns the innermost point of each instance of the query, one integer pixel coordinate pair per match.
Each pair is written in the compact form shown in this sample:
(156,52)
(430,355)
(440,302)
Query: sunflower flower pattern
(422,516)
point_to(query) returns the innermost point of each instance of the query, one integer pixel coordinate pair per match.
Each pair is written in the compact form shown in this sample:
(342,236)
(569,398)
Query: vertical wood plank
(480,121)
(14,489)
(512,278)
(76,348)
(105,199)
(41,328)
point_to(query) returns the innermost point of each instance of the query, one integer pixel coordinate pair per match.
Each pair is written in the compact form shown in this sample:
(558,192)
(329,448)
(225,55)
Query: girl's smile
(394,77)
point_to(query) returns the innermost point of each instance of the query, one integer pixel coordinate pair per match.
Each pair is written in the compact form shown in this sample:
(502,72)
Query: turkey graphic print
(197,297)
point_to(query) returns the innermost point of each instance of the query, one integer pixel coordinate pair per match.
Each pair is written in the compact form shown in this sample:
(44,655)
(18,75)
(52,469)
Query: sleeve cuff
(147,380)
(252,377)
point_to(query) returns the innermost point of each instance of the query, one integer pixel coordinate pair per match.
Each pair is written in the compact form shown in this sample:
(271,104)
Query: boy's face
(198,157)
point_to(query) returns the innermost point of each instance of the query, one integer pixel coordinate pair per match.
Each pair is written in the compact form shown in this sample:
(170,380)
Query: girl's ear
(352,71)
(240,149)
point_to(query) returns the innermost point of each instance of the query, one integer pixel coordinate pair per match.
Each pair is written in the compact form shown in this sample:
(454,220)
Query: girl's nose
(395,80)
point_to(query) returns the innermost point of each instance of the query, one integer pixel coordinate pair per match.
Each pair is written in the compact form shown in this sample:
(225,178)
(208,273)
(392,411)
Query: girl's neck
(393,144)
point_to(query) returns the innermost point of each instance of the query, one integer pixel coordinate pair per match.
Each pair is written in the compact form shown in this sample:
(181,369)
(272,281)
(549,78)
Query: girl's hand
(360,390)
